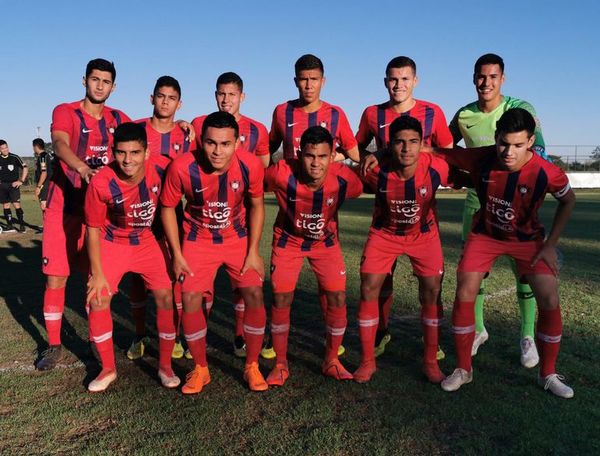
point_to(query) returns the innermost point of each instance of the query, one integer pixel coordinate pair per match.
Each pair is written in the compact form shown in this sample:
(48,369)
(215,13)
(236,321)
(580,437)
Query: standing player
(216,182)
(13,173)
(476,124)
(81,138)
(511,181)
(43,171)
(254,139)
(404,223)
(166,141)
(309,191)
(120,205)
(400,81)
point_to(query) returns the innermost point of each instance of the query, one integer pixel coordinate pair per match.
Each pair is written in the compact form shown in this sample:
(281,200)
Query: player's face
(219,145)
(315,159)
(4,150)
(488,82)
(513,149)
(131,157)
(229,98)
(400,83)
(166,102)
(98,86)
(309,84)
(406,147)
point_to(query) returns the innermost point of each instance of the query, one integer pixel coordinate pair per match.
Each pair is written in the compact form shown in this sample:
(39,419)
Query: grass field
(502,412)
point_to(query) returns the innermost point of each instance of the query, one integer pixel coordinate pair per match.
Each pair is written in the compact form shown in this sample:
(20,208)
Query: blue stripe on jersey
(134,239)
(289,123)
(288,226)
(541,183)
(161,172)
(381,121)
(428,123)
(245,171)
(217,238)
(410,193)
(103,131)
(116,193)
(84,135)
(509,195)
(317,208)
(253,137)
(282,240)
(335,120)
(165,143)
(482,190)
(117,116)
(380,200)
(343,187)
(193,234)
(312,119)
(109,233)
(186,144)
(196,183)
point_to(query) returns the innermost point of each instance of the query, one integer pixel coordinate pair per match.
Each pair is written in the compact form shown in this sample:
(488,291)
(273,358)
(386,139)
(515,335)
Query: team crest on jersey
(155,189)
(323,124)
(329,201)
(111,130)
(523,189)
(176,147)
(423,191)
(45,261)
(11,167)
(242,138)
(235,185)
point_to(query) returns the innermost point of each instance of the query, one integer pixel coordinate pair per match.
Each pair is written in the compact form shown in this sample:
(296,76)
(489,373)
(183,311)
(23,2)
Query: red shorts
(480,253)
(326,262)
(63,246)
(204,259)
(424,251)
(148,259)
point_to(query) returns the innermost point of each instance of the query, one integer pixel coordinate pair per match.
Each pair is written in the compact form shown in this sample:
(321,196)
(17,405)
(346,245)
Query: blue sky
(550,49)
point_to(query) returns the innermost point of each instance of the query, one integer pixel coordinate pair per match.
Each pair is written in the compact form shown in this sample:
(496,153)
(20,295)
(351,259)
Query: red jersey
(375,123)
(215,203)
(509,200)
(254,137)
(165,147)
(290,121)
(91,140)
(308,218)
(123,212)
(405,207)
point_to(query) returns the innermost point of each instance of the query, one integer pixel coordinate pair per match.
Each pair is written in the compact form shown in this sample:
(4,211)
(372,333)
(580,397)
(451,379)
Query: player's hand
(17,184)
(37,191)
(188,129)
(181,268)
(95,285)
(548,255)
(254,261)
(86,173)
(367,163)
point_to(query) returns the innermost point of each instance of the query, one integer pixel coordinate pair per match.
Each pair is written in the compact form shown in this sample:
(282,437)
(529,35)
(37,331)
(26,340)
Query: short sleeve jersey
(215,208)
(165,147)
(254,137)
(10,168)
(290,121)
(375,123)
(509,200)
(43,164)
(123,212)
(91,141)
(407,207)
(307,218)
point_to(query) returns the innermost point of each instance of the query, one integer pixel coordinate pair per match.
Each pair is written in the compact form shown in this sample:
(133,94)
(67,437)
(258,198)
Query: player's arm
(97,281)
(264,159)
(187,128)
(43,176)
(348,144)
(61,142)
(169,221)
(455,129)
(256,221)
(24,172)
(363,135)
(275,137)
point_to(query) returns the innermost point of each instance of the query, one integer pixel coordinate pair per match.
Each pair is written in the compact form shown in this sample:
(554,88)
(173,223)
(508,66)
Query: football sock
(280,330)
(255,319)
(19,212)
(386,299)
(431,319)
(101,328)
(549,329)
(54,305)
(368,319)
(194,330)
(166,336)
(463,327)
(479,326)
(527,307)
(178,302)
(239,307)
(336,327)
(8,216)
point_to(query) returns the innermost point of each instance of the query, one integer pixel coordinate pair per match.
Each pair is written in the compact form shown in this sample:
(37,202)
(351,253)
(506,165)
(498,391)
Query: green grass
(502,412)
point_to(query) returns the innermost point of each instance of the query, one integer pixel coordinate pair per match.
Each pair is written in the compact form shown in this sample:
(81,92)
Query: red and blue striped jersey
(509,200)
(307,218)
(290,121)
(165,147)
(404,207)
(123,212)
(91,140)
(214,207)
(254,137)
(375,123)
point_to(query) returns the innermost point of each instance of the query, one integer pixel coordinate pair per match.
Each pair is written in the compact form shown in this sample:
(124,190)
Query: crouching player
(119,209)
(216,181)
(511,182)
(404,223)
(309,192)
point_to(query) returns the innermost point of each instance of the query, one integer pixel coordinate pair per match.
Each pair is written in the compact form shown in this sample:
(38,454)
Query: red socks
(336,327)
(280,330)
(431,319)
(194,330)
(463,327)
(178,303)
(549,329)
(255,319)
(166,337)
(54,305)
(368,319)
(101,328)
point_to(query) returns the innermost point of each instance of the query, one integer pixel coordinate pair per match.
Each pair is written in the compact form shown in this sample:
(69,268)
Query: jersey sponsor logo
(200,190)
(86,130)
(120,200)
(94,161)
(313,223)
(470,126)
(383,125)
(290,125)
(219,213)
(141,213)
(502,211)
(407,210)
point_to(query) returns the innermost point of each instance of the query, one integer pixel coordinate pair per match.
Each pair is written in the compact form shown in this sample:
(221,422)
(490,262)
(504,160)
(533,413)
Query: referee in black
(13,173)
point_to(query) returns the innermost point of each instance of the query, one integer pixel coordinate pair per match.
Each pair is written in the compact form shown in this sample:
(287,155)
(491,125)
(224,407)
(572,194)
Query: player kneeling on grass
(309,192)
(511,181)
(119,209)
(404,223)
(216,182)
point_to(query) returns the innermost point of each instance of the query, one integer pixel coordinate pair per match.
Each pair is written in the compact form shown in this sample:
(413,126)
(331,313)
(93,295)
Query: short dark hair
(2,142)
(101,65)
(308,62)
(316,135)
(401,62)
(130,131)
(488,59)
(405,123)
(230,78)
(515,120)
(220,119)
(39,142)
(167,81)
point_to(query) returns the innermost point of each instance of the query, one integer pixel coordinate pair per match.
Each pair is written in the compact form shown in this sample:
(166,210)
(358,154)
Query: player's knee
(549,301)
(163,298)
(97,305)
(369,290)
(336,298)
(282,300)
(56,282)
(192,301)
(253,296)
